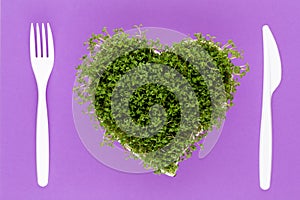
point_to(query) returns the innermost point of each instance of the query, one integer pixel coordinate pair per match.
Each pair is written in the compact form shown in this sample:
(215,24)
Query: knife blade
(271,79)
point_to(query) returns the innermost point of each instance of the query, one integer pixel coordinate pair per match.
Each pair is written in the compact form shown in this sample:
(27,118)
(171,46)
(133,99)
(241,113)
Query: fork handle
(42,140)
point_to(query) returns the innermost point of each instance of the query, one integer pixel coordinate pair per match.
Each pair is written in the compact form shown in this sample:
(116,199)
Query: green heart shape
(190,87)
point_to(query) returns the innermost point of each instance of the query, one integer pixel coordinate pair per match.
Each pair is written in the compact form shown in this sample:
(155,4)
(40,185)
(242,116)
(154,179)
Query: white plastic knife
(271,79)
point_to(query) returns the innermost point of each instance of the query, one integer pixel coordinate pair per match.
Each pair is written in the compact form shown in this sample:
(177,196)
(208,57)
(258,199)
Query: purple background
(230,172)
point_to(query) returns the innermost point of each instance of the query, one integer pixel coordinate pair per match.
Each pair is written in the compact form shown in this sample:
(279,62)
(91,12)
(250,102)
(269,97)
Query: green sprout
(211,79)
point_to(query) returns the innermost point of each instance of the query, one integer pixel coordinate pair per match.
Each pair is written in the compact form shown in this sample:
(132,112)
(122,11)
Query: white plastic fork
(42,65)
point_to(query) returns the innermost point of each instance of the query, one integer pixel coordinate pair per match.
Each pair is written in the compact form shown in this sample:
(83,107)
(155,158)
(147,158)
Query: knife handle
(265,146)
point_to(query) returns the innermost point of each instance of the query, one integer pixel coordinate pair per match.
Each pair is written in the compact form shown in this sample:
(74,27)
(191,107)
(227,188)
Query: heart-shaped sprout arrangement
(157,101)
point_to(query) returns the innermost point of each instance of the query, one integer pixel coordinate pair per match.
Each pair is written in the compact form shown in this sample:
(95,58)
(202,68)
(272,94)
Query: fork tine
(44,52)
(50,42)
(32,42)
(38,41)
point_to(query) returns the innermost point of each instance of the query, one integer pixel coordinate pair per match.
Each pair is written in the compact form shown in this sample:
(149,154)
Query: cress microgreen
(209,83)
